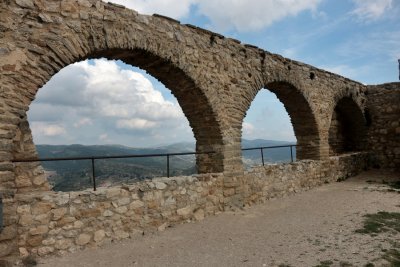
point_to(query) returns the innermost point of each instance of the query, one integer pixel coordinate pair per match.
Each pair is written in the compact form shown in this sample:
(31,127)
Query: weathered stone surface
(25,3)
(108,213)
(24,209)
(6,248)
(186,211)
(39,180)
(160,185)
(58,213)
(41,207)
(199,215)
(40,230)
(25,220)
(136,204)
(124,201)
(23,252)
(384,130)
(121,210)
(23,181)
(99,236)
(63,244)
(42,251)
(8,232)
(83,239)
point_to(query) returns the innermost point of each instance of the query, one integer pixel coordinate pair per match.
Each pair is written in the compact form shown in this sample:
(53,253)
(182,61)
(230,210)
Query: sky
(91,102)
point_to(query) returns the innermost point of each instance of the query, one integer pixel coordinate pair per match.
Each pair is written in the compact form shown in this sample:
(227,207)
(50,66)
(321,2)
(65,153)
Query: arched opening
(191,99)
(297,114)
(347,132)
(265,111)
(108,108)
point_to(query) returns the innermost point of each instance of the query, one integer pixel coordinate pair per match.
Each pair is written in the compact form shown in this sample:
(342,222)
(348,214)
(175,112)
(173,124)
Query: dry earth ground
(313,228)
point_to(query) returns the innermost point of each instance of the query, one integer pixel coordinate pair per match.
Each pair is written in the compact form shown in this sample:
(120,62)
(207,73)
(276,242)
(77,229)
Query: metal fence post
(93,175)
(262,155)
(168,165)
(291,153)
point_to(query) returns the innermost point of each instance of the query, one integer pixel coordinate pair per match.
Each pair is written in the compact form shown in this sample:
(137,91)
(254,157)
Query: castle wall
(384,129)
(61,222)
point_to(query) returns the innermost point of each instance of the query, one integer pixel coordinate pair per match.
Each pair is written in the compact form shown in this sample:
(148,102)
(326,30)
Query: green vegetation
(345,264)
(380,222)
(393,257)
(325,263)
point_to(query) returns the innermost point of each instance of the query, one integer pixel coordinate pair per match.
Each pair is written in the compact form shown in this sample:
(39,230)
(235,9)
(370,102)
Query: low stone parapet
(60,222)
(278,180)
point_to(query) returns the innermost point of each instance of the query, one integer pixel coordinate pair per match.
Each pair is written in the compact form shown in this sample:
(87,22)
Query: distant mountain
(76,174)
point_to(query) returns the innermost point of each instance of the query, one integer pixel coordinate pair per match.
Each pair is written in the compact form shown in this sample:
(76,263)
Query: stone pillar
(384,130)
(8,237)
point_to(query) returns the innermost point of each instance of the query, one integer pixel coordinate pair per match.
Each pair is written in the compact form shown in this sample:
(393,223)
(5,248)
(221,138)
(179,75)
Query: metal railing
(270,147)
(167,155)
(93,158)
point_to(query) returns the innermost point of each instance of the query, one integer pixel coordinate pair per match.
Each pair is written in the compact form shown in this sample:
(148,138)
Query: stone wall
(278,180)
(59,222)
(384,128)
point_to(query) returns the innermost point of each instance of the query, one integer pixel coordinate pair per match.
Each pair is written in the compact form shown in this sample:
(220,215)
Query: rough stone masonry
(214,78)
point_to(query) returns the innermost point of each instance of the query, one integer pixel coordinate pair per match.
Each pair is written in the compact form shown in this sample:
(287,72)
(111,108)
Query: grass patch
(393,257)
(394,185)
(380,222)
(324,264)
(345,264)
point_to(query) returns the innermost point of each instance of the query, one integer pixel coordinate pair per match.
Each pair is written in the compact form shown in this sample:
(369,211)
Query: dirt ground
(300,230)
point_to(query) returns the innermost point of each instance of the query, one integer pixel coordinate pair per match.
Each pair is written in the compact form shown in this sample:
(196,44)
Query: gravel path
(301,230)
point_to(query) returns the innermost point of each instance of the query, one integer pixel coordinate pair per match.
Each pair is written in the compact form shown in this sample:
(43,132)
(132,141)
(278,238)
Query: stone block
(8,233)
(41,208)
(186,211)
(83,239)
(58,213)
(99,236)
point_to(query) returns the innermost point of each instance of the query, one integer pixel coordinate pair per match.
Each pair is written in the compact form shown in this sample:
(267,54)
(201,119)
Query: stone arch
(301,115)
(190,97)
(158,55)
(347,131)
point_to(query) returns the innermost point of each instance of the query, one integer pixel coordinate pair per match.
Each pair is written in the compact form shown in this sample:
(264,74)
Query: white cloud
(83,122)
(241,15)
(172,8)
(251,15)
(136,124)
(371,9)
(247,129)
(112,100)
(103,137)
(48,130)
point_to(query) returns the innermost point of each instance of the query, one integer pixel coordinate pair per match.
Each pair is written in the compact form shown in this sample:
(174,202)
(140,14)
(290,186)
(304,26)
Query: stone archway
(348,128)
(301,116)
(193,102)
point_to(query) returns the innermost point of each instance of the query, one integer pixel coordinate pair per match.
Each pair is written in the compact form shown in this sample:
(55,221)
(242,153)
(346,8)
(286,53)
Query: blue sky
(359,39)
